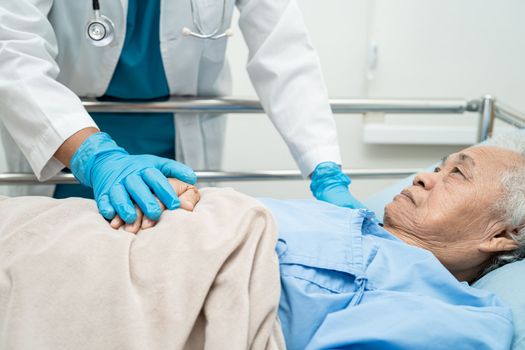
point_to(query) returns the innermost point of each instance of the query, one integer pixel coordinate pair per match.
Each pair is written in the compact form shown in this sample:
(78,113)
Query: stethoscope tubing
(100,30)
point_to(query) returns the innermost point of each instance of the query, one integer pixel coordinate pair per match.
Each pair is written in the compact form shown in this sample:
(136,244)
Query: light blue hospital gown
(348,283)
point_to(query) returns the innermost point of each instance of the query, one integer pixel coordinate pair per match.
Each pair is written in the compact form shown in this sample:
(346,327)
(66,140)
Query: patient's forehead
(486,160)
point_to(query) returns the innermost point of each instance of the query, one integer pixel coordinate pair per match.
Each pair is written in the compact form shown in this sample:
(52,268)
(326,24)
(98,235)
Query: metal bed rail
(508,115)
(488,108)
(28,178)
(249,105)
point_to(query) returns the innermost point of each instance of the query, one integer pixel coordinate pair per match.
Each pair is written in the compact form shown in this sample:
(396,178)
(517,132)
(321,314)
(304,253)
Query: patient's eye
(456,170)
(437,169)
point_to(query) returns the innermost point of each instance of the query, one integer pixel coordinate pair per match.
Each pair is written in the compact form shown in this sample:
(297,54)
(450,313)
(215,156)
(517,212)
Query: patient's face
(448,209)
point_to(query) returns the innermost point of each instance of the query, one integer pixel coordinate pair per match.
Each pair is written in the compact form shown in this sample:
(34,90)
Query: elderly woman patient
(347,281)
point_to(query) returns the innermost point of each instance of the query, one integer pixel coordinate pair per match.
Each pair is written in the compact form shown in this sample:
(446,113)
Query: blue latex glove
(329,184)
(118,177)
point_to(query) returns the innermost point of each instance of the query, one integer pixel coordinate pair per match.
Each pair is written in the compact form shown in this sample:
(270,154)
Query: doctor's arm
(51,127)
(38,112)
(285,71)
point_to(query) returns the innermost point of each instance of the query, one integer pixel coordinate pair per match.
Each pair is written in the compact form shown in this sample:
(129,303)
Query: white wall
(426,48)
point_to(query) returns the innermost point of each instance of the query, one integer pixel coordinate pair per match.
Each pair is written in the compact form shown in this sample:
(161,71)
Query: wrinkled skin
(448,211)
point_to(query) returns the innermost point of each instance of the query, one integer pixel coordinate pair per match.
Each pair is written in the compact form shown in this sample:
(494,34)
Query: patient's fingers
(189,198)
(179,186)
(117,222)
(135,226)
(190,193)
(147,222)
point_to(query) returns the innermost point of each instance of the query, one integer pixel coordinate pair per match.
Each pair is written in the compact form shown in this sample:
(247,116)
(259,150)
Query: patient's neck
(442,254)
(407,237)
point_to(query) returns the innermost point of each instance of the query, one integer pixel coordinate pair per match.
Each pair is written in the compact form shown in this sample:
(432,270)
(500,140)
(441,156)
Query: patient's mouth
(409,195)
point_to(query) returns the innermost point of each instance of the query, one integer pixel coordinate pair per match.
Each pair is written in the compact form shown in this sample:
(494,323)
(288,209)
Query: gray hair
(512,205)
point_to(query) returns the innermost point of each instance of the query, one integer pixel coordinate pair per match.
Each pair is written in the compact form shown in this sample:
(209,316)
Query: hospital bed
(508,282)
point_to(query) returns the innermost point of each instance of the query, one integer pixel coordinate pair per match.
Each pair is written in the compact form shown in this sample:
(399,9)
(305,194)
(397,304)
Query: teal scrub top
(139,75)
(347,283)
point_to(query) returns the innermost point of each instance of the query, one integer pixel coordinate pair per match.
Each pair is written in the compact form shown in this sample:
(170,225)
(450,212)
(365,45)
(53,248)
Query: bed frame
(487,107)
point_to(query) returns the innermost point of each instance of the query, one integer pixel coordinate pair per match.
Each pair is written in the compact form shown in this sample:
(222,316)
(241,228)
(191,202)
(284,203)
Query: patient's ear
(501,242)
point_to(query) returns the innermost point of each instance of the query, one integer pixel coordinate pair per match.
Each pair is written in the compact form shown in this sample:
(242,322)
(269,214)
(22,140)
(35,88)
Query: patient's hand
(188,196)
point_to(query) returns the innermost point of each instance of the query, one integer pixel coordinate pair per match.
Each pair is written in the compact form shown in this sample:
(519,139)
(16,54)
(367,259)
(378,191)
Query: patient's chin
(386,216)
(390,209)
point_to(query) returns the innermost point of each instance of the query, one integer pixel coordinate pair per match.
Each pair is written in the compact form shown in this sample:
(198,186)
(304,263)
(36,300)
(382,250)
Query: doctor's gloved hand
(189,196)
(329,184)
(118,179)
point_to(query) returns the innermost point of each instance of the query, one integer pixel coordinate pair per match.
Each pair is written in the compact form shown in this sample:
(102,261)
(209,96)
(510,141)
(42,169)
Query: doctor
(52,51)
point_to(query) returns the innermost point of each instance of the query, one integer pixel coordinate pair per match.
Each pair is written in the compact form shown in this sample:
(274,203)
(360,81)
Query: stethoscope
(100,30)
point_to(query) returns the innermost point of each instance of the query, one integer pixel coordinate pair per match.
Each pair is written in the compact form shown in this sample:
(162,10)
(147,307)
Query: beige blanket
(202,280)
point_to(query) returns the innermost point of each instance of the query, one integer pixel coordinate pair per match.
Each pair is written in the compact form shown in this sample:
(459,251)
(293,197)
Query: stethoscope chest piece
(100,30)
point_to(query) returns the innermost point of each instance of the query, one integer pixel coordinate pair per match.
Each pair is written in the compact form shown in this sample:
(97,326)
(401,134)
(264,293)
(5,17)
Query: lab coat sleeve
(285,71)
(39,112)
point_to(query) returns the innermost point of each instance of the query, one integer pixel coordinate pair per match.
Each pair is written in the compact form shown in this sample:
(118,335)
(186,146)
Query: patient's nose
(425,180)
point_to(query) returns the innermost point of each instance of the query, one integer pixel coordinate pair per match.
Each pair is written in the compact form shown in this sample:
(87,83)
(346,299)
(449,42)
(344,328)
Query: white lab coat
(46,62)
